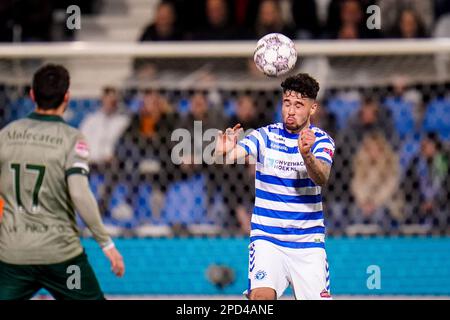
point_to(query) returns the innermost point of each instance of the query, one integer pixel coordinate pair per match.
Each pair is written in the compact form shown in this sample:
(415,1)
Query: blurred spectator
(86,6)
(405,107)
(426,184)
(245,12)
(442,30)
(143,155)
(375,183)
(343,104)
(6,20)
(218,24)
(202,121)
(35,18)
(346,20)
(247,114)
(370,117)
(441,8)
(348,32)
(103,128)
(164,27)
(409,25)
(190,15)
(200,110)
(144,148)
(325,120)
(188,200)
(241,196)
(391,12)
(306,20)
(270,20)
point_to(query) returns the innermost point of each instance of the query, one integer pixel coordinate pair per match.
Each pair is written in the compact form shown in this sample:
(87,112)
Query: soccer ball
(275,54)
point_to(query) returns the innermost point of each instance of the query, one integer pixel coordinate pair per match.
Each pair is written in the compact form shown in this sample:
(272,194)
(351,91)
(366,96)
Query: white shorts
(272,266)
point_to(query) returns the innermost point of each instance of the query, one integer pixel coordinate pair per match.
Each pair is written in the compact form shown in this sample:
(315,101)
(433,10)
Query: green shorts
(70,280)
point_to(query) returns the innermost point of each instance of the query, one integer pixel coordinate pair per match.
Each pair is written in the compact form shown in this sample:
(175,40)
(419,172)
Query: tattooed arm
(318,170)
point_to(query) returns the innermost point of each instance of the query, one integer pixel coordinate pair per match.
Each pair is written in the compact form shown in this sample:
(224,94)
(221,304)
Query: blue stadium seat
(343,109)
(20,108)
(186,201)
(437,118)
(96,183)
(229,108)
(408,149)
(75,113)
(142,204)
(278,117)
(134,104)
(79,109)
(183,106)
(402,115)
(121,210)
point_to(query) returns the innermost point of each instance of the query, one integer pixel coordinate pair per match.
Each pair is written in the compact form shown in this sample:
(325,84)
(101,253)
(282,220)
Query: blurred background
(142,68)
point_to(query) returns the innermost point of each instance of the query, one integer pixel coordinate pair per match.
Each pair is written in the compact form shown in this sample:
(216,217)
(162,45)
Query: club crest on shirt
(260,274)
(82,149)
(328,151)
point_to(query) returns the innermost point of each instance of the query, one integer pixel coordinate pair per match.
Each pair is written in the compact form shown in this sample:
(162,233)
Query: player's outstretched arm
(86,205)
(318,170)
(226,145)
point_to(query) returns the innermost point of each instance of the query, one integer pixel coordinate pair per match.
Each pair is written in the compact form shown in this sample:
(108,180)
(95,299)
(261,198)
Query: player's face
(297,110)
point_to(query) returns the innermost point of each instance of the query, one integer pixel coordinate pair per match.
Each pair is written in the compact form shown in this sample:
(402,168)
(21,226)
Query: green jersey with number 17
(37,154)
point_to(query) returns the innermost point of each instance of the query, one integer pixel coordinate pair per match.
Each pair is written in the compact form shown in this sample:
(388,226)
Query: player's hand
(306,141)
(116,260)
(228,140)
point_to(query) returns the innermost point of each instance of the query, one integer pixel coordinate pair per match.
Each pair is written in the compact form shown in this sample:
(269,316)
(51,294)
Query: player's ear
(67,97)
(314,107)
(32,95)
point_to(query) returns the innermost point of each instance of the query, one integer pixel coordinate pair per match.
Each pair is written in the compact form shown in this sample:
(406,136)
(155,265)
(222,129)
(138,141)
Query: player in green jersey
(43,180)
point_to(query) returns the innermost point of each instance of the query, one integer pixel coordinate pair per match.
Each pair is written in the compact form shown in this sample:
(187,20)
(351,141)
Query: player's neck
(51,112)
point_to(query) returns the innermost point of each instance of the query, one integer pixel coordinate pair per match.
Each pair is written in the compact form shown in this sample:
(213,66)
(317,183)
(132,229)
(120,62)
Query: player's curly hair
(302,83)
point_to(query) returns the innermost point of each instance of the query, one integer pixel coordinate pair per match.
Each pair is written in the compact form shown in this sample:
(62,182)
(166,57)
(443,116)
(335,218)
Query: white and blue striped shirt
(288,204)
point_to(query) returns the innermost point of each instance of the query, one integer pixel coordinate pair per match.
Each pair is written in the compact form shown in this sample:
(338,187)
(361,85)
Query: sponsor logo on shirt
(82,149)
(283,165)
(278,138)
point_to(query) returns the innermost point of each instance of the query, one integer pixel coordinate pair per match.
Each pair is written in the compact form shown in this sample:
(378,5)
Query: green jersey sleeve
(78,157)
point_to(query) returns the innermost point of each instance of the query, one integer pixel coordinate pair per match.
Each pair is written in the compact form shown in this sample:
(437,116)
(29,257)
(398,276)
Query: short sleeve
(253,143)
(78,158)
(324,148)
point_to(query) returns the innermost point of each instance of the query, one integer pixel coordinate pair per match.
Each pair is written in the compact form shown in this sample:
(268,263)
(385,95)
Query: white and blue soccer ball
(275,54)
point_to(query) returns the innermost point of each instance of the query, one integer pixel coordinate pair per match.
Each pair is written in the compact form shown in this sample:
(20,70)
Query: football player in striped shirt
(293,163)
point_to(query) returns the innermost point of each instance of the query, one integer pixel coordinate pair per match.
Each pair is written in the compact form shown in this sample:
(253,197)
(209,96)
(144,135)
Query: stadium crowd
(177,20)
(391,166)
(390,171)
